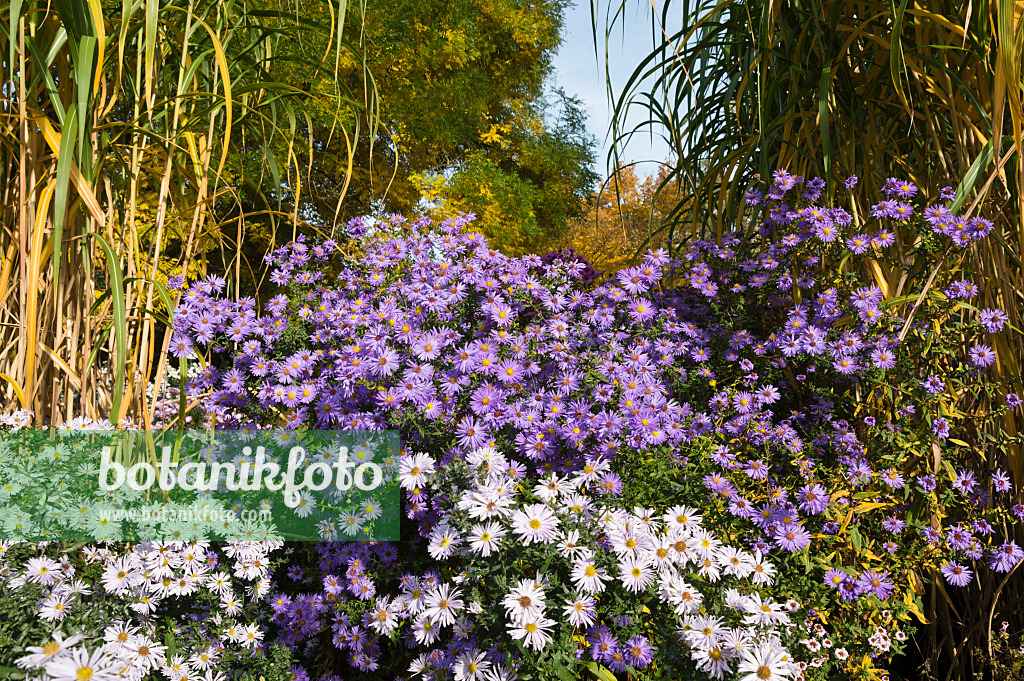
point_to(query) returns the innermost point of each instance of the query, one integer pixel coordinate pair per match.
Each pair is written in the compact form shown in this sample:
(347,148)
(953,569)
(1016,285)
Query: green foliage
(273,663)
(461,91)
(525,188)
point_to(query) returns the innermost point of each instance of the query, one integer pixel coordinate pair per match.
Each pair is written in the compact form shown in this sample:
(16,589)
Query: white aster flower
(471,666)
(442,604)
(535,523)
(79,665)
(587,577)
(485,538)
(533,632)
(636,572)
(40,655)
(580,611)
(414,470)
(525,602)
(763,662)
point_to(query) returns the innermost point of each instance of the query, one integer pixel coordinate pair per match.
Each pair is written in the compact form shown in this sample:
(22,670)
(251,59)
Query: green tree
(460,93)
(524,188)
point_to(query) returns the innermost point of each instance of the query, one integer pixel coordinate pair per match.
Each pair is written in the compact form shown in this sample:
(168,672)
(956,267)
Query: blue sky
(578,72)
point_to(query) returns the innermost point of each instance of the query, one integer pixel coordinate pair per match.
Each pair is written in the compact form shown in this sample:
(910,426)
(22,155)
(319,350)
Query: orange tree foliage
(623,214)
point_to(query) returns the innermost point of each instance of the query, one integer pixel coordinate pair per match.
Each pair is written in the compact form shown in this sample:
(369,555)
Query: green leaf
(563,673)
(65,156)
(896,61)
(84,74)
(601,672)
(971,176)
(119,309)
(824,90)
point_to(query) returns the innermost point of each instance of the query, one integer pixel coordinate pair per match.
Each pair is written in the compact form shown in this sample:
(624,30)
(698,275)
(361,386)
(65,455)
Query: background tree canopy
(456,107)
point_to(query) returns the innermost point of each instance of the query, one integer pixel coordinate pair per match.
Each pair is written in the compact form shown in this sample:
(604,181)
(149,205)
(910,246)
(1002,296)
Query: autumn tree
(623,219)
(444,96)
(458,107)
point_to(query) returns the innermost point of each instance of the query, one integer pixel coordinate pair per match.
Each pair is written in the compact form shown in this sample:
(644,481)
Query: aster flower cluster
(771,387)
(142,589)
(611,576)
(819,642)
(744,360)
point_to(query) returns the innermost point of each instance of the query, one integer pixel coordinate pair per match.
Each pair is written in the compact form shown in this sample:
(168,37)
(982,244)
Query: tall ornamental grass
(130,132)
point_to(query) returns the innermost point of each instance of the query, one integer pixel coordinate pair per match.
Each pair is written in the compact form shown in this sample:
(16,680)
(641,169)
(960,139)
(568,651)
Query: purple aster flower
(902,210)
(982,527)
(641,310)
(858,243)
(757,469)
(744,402)
(931,535)
(813,499)
(958,538)
(277,304)
(610,483)
(826,230)
(883,209)
(850,182)
(603,646)
(638,652)
(993,320)
(982,355)
(877,582)
(1001,481)
(883,359)
(471,434)
(834,578)
(859,474)
(1004,558)
(933,384)
(181,345)
(792,537)
(846,365)
(893,524)
(956,574)
(783,180)
(926,483)
(964,481)
(891,478)
(940,427)
(883,238)
(850,589)
(1013,401)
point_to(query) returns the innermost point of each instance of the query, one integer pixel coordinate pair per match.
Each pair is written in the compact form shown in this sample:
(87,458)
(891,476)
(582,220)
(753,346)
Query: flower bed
(744,462)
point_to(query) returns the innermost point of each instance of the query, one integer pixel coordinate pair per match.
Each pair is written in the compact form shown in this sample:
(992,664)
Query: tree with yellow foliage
(624,212)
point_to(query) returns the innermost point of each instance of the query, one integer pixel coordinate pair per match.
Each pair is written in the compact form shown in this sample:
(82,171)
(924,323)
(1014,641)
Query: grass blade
(118,306)
(64,162)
